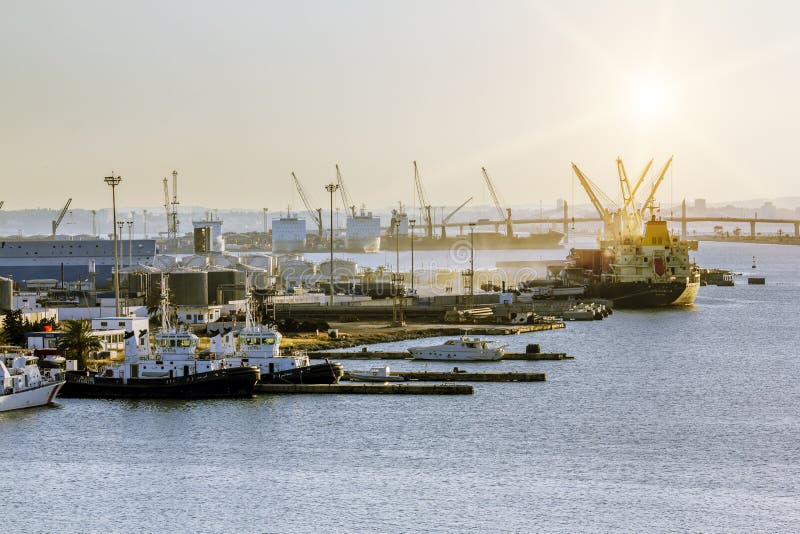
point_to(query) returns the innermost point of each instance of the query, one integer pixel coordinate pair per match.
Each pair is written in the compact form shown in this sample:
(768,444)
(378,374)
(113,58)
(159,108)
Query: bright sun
(649,98)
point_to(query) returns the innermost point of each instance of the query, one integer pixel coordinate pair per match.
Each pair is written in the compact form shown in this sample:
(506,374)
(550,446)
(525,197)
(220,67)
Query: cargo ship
(363,233)
(646,271)
(71,259)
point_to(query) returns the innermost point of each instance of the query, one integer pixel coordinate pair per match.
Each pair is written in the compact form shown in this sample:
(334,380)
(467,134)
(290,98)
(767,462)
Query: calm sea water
(668,420)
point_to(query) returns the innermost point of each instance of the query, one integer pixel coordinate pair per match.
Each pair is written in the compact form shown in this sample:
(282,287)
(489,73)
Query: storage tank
(294,271)
(6,294)
(188,288)
(197,261)
(165,262)
(341,268)
(225,285)
(261,261)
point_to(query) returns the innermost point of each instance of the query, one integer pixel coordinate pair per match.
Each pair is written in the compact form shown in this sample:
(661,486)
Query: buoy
(754,262)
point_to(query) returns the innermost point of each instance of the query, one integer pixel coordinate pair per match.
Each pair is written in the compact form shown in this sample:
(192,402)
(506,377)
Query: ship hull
(318,373)
(234,382)
(31,398)
(362,244)
(646,295)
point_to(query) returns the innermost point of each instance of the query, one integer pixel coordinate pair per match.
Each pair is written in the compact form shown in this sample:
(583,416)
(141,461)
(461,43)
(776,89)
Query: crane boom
(592,191)
(166,207)
(60,217)
(314,213)
(424,205)
(493,192)
(655,185)
(346,199)
(445,220)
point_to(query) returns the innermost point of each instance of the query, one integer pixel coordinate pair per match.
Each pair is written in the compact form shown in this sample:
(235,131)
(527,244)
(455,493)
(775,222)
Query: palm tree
(77,341)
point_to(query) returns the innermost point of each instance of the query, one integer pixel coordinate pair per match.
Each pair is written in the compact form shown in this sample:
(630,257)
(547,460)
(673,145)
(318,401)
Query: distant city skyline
(237,95)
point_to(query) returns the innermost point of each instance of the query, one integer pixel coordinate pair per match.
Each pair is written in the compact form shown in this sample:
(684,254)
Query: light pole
(411,222)
(331,188)
(471,262)
(114,181)
(265,224)
(130,241)
(121,225)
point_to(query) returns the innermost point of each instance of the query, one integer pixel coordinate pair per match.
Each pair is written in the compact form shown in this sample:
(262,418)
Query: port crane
(316,214)
(346,199)
(504,214)
(60,217)
(424,205)
(625,221)
(445,220)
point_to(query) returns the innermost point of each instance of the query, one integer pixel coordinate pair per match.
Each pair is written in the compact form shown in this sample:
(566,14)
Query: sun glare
(649,98)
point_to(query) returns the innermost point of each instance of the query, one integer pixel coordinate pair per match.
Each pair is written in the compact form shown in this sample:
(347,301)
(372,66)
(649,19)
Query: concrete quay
(404,355)
(462,376)
(365,389)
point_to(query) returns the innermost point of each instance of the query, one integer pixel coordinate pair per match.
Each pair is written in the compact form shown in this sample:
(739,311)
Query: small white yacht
(377,374)
(24,385)
(463,349)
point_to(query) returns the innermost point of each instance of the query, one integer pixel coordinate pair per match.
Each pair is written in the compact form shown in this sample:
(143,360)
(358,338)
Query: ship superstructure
(75,259)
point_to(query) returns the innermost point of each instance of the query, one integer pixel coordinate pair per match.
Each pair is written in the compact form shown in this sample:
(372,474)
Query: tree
(77,341)
(13,328)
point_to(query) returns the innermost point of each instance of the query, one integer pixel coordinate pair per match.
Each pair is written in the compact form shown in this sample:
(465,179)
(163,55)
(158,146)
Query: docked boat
(171,369)
(462,349)
(260,345)
(377,374)
(640,271)
(24,384)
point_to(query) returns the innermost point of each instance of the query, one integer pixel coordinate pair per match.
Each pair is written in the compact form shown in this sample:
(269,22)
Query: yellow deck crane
(315,213)
(606,211)
(346,199)
(445,220)
(424,205)
(503,213)
(60,217)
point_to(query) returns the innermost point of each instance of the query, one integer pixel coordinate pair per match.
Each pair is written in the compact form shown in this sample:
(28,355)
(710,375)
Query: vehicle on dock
(24,385)
(170,370)
(377,374)
(462,349)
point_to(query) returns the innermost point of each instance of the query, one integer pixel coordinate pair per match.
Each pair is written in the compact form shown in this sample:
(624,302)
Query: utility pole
(331,188)
(130,241)
(114,181)
(411,222)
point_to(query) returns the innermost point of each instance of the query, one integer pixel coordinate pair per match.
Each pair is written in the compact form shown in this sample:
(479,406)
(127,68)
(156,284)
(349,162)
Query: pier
(365,389)
(404,355)
(463,376)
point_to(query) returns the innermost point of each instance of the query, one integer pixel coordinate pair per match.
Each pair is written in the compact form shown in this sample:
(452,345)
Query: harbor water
(667,420)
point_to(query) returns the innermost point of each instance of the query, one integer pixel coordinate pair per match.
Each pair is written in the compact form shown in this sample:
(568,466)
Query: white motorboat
(377,374)
(24,385)
(463,349)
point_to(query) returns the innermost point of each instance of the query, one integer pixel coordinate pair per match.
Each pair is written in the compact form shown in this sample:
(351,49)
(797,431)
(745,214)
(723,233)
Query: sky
(236,95)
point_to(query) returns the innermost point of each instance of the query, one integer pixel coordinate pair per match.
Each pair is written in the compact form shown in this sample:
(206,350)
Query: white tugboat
(170,370)
(463,349)
(260,345)
(24,385)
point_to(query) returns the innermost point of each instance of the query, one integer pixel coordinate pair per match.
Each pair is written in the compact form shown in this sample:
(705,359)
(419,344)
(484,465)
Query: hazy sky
(236,95)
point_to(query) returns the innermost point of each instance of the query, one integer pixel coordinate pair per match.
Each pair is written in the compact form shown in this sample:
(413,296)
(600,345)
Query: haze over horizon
(237,95)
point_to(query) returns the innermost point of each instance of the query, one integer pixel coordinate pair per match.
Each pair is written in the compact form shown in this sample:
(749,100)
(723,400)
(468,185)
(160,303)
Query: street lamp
(114,181)
(331,188)
(130,241)
(121,225)
(411,222)
(471,262)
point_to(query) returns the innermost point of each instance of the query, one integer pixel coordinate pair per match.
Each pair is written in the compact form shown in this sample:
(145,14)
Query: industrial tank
(341,268)
(293,271)
(260,261)
(188,288)
(6,294)
(225,285)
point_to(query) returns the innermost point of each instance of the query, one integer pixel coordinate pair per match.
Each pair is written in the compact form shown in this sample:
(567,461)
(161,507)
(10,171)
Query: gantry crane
(346,200)
(60,217)
(424,205)
(315,213)
(445,220)
(503,213)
